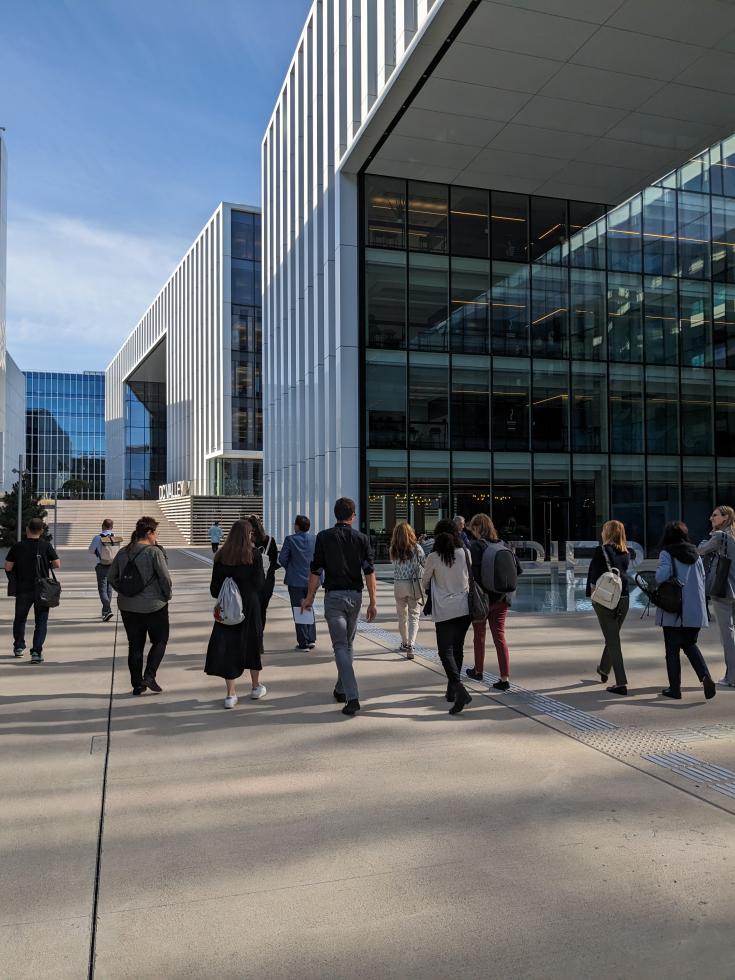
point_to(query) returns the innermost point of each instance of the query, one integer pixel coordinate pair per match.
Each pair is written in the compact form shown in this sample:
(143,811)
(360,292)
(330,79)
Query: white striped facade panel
(345,57)
(193,314)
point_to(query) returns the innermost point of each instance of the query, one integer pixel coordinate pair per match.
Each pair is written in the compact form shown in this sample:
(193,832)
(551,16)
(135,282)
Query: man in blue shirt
(296,556)
(215,536)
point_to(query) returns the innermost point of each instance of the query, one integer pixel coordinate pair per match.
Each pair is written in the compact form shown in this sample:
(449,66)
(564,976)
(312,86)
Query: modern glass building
(550,362)
(184,399)
(65,433)
(459,312)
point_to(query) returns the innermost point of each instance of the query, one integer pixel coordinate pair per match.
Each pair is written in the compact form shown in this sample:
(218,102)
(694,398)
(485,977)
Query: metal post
(56,509)
(20,496)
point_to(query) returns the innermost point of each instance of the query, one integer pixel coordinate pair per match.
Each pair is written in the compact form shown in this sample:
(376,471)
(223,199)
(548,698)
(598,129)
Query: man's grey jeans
(103,587)
(341,611)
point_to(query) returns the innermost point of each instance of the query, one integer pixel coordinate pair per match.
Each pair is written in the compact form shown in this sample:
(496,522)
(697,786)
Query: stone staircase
(79,520)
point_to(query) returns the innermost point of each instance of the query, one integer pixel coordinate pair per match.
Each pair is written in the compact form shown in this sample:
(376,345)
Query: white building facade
(586,102)
(183,392)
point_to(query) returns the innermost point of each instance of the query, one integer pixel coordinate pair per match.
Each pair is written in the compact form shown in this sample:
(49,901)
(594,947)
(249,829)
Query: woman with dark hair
(140,576)
(267,549)
(483,533)
(234,649)
(679,560)
(447,573)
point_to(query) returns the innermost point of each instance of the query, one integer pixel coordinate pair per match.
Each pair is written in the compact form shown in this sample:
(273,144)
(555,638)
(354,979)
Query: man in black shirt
(22,562)
(344,555)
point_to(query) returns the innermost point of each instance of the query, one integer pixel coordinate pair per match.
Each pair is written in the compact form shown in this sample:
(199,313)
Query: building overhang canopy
(586,99)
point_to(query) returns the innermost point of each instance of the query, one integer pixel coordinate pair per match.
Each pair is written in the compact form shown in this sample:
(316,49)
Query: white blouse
(450,586)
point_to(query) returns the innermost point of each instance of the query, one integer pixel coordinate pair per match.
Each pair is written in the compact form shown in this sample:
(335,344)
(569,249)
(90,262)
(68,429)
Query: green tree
(9,512)
(76,489)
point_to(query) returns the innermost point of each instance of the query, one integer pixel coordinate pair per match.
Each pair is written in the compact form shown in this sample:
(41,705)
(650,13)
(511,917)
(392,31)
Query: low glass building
(551,362)
(65,433)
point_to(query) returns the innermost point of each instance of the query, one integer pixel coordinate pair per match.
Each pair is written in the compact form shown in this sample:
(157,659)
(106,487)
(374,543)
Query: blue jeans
(103,587)
(341,611)
(24,602)
(305,633)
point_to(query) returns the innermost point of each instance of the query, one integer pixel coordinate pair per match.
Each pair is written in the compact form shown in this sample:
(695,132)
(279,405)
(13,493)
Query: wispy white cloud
(76,289)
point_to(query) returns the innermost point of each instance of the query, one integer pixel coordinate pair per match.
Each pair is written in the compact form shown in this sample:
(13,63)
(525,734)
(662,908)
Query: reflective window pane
(470,222)
(698,492)
(725,414)
(385,399)
(550,303)
(626,408)
(624,312)
(510,403)
(429,500)
(624,237)
(723,239)
(589,407)
(661,320)
(664,497)
(628,498)
(510,309)
(428,285)
(509,226)
(471,484)
(694,236)
(587,235)
(428,216)
(385,298)
(695,323)
(548,229)
(428,396)
(387,487)
(469,327)
(590,496)
(385,207)
(551,501)
(723,326)
(587,318)
(662,409)
(697,420)
(470,402)
(550,405)
(243,235)
(659,232)
(512,495)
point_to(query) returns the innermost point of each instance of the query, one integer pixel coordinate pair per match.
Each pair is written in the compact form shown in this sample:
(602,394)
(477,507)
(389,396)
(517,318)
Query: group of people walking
(681,572)
(466,579)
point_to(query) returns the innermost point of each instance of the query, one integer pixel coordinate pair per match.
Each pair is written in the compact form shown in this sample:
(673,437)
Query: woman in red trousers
(483,531)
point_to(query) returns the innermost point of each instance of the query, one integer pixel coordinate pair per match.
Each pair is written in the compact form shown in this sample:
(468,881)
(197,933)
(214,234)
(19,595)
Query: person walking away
(483,533)
(459,524)
(721,543)
(408,560)
(679,559)
(140,576)
(447,574)
(104,547)
(268,549)
(215,536)
(234,648)
(295,557)
(612,554)
(25,561)
(344,556)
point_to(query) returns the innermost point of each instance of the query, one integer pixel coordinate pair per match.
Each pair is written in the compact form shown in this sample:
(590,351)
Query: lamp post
(21,473)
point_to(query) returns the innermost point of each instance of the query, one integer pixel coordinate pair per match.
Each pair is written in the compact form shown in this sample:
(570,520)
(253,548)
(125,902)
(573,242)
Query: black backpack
(131,581)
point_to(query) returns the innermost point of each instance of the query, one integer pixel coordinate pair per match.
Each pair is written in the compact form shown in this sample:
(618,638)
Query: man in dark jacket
(296,555)
(23,564)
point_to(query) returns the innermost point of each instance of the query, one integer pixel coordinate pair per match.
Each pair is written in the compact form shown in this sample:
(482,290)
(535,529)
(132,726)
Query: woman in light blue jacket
(679,559)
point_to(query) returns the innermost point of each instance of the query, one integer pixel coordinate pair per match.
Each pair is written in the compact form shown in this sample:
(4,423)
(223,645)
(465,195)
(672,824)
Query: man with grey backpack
(104,547)
(608,587)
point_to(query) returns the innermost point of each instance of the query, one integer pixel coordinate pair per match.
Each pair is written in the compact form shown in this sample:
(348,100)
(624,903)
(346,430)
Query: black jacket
(598,565)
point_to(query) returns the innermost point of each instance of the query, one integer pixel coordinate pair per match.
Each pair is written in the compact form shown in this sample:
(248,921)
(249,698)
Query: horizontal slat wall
(195,515)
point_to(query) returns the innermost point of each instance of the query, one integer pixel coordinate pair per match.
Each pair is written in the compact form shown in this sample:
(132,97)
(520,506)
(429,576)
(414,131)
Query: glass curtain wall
(554,363)
(65,433)
(145,439)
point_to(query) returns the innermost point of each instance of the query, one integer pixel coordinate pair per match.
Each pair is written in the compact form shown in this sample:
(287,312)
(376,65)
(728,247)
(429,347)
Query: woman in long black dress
(266,546)
(234,649)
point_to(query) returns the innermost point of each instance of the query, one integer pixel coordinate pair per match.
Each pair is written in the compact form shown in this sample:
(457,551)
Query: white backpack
(609,586)
(228,610)
(106,549)
(263,549)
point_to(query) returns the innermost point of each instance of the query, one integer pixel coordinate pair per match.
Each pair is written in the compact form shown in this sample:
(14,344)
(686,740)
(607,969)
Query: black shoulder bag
(719,573)
(46,589)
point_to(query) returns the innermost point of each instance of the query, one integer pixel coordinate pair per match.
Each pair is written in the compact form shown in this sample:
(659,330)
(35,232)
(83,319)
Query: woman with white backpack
(608,586)
(236,643)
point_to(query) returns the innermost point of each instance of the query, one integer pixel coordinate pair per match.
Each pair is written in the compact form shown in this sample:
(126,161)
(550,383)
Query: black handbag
(47,590)
(719,574)
(479,601)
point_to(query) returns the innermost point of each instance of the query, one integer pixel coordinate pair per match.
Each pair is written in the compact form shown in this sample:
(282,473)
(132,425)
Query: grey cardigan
(722,543)
(151,561)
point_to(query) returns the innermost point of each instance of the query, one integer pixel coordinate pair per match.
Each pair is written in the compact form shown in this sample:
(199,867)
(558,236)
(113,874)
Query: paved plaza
(554,831)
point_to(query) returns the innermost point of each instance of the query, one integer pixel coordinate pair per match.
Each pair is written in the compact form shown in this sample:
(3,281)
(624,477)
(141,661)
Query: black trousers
(139,627)
(682,638)
(450,636)
(24,602)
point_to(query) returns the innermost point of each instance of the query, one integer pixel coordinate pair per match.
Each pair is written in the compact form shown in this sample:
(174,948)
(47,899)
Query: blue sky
(126,124)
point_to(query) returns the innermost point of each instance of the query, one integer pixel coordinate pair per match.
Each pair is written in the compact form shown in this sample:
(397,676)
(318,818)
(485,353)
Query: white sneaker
(258,692)
(230,700)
